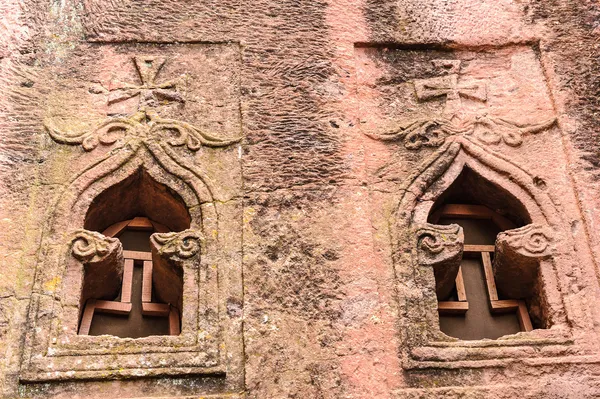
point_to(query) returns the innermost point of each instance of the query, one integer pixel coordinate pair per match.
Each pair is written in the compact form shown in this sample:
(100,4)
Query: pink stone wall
(309,219)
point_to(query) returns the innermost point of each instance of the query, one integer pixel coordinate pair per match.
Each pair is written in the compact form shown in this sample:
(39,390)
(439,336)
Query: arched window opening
(481,303)
(148,300)
(139,194)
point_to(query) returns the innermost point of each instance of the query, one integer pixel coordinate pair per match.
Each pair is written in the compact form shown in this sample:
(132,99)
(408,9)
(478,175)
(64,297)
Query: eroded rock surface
(306,141)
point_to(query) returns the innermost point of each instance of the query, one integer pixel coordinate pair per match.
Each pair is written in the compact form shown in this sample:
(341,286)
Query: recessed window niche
(490,296)
(134,296)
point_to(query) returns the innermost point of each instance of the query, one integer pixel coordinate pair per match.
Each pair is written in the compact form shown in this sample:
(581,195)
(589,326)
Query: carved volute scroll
(93,247)
(177,246)
(102,258)
(171,254)
(440,247)
(518,253)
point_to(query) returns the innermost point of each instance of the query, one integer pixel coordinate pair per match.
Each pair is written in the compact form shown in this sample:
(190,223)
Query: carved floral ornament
(433,131)
(145,124)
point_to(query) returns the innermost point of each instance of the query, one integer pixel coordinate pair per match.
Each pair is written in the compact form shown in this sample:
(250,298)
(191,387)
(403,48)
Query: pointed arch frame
(416,285)
(158,161)
(207,335)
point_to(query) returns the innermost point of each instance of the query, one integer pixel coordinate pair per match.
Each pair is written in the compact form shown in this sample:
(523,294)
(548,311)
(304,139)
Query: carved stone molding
(432,132)
(440,247)
(487,129)
(517,256)
(102,258)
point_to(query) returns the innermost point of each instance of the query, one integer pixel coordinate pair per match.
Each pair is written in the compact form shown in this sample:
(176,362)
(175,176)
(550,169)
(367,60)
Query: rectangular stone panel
(412,104)
(174,111)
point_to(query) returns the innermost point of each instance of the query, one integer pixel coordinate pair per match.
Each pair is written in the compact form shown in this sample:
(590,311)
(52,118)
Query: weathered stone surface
(102,258)
(305,141)
(440,247)
(517,257)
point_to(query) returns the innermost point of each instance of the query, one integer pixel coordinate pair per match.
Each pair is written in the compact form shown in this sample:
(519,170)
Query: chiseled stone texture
(340,158)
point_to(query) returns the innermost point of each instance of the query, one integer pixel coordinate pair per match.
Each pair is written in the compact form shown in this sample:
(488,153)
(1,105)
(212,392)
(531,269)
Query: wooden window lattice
(497,306)
(124,306)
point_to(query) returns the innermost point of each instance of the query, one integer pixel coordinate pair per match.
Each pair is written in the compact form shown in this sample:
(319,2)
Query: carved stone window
(464,228)
(489,291)
(161,156)
(461,139)
(473,308)
(129,294)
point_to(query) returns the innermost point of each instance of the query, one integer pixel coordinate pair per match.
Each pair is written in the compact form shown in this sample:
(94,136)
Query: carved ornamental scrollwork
(517,257)
(93,247)
(144,125)
(440,247)
(177,246)
(102,258)
(454,121)
(487,129)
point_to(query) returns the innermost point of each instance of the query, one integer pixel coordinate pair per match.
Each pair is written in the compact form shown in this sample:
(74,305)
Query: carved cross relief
(451,87)
(455,120)
(150,93)
(145,125)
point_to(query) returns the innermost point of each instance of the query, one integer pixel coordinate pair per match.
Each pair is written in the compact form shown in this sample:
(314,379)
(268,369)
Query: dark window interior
(132,210)
(478,322)
(483,210)
(133,325)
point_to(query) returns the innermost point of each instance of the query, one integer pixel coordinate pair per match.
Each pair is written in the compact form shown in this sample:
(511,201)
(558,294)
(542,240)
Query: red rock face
(297,156)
